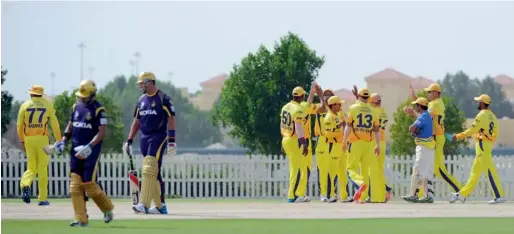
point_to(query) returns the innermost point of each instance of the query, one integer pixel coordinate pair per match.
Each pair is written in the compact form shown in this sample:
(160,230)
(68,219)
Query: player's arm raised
(170,111)
(20,125)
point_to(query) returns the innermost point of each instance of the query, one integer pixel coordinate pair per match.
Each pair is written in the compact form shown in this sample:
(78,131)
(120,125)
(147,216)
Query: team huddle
(351,146)
(86,129)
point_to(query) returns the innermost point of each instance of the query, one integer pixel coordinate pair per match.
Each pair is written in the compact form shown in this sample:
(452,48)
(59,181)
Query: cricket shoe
(155,210)
(43,203)
(78,224)
(324,199)
(426,200)
(303,199)
(359,192)
(140,209)
(497,200)
(368,200)
(332,200)
(412,198)
(25,194)
(455,197)
(347,200)
(108,216)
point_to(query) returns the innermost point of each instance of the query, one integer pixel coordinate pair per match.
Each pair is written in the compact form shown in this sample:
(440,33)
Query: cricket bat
(49,149)
(133,180)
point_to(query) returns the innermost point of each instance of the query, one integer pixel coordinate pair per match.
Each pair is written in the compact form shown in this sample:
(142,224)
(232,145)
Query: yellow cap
(421,100)
(433,87)
(484,98)
(298,91)
(86,89)
(145,76)
(364,92)
(328,91)
(374,97)
(37,90)
(334,100)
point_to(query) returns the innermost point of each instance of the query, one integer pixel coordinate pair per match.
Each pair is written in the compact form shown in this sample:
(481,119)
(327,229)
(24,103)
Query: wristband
(129,141)
(171,136)
(67,136)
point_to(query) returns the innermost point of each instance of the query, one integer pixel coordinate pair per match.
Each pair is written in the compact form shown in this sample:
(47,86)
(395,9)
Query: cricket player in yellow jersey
(375,100)
(310,109)
(337,164)
(485,130)
(361,122)
(436,109)
(294,145)
(322,161)
(32,125)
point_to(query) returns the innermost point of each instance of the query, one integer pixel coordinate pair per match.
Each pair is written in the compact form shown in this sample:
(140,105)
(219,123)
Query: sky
(199,40)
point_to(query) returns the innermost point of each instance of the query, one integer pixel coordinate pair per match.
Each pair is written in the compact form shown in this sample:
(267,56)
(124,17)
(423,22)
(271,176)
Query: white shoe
(324,199)
(139,208)
(155,210)
(302,199)
(497,200)
(454,198)
(332,200)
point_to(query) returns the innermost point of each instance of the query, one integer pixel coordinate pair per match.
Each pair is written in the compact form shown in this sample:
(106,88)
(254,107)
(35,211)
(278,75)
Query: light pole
(138,56)
(82,45)
(91,70)
(52,76)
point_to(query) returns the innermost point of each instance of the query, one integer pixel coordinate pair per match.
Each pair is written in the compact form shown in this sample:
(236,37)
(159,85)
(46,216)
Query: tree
(113,141)
(6,105)
(403,142)
(500,105)
(194,127)
(462,89)
(259,86)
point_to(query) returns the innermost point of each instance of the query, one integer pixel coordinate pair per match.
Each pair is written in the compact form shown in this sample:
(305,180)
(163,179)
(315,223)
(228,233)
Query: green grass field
(256,226)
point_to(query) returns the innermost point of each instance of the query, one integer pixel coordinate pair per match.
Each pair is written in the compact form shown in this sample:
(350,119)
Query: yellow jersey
(290,114)
(362,118)
(309,109)
(436,109)
(333,127)
(320,117)
(33,118)
(485,127)
(382,120)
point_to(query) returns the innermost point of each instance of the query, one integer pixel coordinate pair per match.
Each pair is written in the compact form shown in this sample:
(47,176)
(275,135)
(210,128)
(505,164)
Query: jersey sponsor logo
(172,109)
(82,125)
(147,112)
(103,121)
(36,125)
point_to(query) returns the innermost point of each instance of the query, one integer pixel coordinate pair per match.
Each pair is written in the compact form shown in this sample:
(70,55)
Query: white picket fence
(236,176)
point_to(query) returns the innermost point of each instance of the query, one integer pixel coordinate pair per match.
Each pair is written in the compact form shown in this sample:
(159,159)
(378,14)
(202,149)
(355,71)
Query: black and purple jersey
(86,120)
(153,112)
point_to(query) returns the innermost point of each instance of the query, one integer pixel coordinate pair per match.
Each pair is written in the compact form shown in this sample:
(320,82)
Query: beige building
(210,92)
(507,84)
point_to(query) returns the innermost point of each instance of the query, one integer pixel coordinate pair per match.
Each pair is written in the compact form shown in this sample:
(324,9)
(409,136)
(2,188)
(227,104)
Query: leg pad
(97,194)
(149,183)
(77,198)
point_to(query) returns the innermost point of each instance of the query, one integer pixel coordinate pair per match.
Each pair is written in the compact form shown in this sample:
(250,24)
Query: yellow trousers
(361,154)
(440,170)
(337,166)
(296,171)
(381,166)
(307,165)
(322,164)
(37,164)
(483,164)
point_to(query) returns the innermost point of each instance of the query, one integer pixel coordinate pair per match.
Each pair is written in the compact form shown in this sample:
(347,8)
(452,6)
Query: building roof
(217,80)
(421,82)
(504,80)
(344,94)
(387,74)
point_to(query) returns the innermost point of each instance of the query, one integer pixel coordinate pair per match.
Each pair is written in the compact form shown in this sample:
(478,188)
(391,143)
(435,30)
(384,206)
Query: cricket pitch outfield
(259,209)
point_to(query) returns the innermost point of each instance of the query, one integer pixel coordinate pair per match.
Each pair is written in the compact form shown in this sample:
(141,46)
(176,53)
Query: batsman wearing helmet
(86,130)
(155,117)
(32,125)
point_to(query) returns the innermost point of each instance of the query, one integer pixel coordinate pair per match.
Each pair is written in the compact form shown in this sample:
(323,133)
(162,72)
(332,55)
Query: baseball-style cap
(334,100)
(37,90)
(421,101)
(298,91)
(484,98)
(433,87)
(364,92)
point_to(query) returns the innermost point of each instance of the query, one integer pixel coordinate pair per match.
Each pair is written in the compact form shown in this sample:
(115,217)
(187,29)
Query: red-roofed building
(507,84)
(420,82)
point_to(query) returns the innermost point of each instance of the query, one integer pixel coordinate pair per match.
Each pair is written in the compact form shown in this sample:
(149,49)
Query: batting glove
(59,146)
(83,151)
(127,147)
